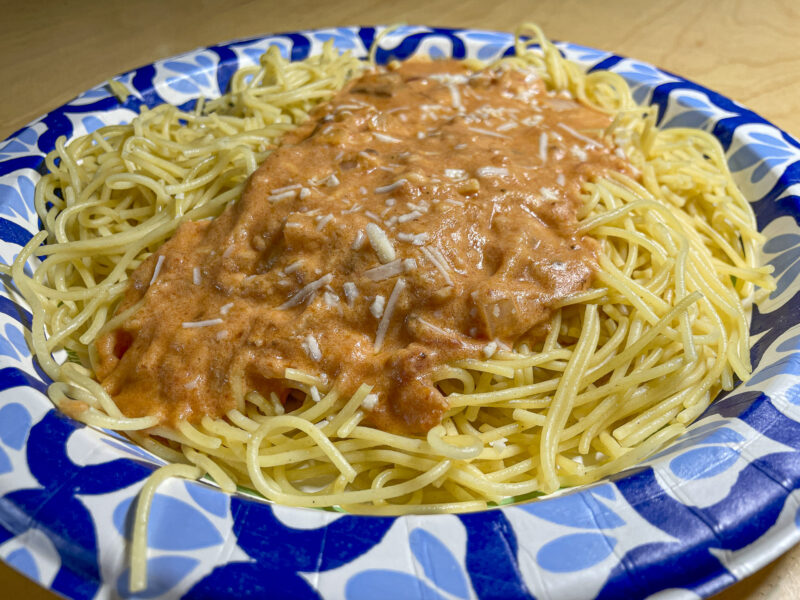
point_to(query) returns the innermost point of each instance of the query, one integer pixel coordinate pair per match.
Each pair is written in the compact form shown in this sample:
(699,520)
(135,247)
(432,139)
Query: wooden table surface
(748,50)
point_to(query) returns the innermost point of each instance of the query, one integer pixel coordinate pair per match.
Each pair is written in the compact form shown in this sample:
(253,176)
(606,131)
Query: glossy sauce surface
(426,214)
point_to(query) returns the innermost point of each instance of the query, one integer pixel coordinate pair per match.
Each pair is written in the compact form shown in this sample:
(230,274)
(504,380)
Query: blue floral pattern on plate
(720,502)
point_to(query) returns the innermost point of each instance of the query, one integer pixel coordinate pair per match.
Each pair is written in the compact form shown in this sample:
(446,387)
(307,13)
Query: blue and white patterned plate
(718,504)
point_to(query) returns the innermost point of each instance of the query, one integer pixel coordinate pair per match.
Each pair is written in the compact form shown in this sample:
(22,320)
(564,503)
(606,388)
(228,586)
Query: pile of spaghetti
(624,368)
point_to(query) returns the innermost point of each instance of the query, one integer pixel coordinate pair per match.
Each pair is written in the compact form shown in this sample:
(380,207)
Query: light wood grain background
(748,50)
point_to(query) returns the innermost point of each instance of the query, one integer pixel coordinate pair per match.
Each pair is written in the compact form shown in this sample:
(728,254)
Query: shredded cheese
(330,298)
(157,270)
(386,271)
(385,138)
(578,153)
(286,188)
(439,266)
(359,240)
(499,445)
(543,147)
(492,172)
(306,292)
(206,323)
(385,189)
(383,326)
(352,209)
(311,348)
(322,221)
(455,97)
(487,132)
(592,143)
(413,215)
(455,174)
(377,306)
(380,243)
(370,401)
(548,193)
(294,266)
(287,195)
(350,291)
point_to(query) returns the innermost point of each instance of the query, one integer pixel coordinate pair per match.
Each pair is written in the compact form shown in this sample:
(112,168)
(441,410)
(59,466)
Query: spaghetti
(624,366)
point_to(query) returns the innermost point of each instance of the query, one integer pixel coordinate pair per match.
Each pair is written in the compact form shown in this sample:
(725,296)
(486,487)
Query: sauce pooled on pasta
(426,214)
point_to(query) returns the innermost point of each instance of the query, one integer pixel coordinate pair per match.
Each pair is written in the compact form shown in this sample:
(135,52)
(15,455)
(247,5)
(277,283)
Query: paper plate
(715,506)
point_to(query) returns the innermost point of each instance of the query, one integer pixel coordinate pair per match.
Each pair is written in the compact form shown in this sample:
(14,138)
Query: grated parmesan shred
(350,291)
(206,323)
(352,209)
(492,172)
(507,126)
(578,153)
(380,243)
(383,326)
(455,97)
(592,143)
(311,348)
(385,189)
(370,401)
(548,193)
(412,216)
(330,298)
(377,306)
(455,174)
(287,195)
(332,180)
(306,292)
(294,266)
(543,147)
(322,221)
(385,138)
(435,262)
(488,132)
(387,271)
(286,188)
(499,445)
(157,270)
(358,242)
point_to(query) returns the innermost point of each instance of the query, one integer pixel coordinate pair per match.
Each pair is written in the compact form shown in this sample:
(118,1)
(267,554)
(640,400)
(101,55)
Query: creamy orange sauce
(425,214)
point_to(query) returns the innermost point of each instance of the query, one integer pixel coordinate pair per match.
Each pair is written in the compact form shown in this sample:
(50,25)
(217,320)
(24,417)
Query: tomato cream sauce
(427,213)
